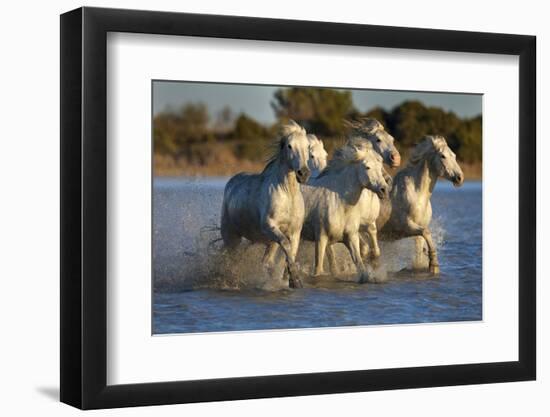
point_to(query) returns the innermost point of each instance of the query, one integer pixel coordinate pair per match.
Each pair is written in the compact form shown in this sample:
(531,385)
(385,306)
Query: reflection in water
(198,289)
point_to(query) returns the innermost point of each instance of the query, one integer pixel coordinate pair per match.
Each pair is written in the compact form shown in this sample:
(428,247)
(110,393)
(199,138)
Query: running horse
(269,207)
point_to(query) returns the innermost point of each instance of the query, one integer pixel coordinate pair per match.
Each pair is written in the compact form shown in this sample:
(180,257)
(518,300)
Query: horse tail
(229,236)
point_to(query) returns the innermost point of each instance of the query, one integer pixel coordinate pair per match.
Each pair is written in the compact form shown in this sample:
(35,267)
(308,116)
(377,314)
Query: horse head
(441,157)
(294,150)
(368,165)
(371,173)
(317,155)
(373,131)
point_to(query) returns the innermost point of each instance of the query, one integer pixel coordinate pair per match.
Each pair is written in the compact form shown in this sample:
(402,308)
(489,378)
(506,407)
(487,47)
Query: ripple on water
(199,290)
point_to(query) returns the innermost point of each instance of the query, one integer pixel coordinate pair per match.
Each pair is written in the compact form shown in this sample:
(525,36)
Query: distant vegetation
(190,141)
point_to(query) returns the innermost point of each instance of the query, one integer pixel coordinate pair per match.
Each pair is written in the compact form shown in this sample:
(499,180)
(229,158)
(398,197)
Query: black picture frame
(84,207)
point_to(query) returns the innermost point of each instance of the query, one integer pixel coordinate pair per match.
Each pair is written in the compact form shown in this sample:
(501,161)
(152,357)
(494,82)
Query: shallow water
(197,289)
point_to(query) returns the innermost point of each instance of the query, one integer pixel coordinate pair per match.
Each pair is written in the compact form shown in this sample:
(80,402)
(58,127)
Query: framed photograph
(257,208)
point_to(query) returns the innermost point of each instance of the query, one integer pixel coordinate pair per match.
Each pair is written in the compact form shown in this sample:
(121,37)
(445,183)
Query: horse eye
(367,168)
(289,147)
(443,156)
(379,141)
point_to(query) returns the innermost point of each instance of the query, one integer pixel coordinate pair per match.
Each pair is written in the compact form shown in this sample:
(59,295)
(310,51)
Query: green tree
(224,120)
(379,114)
(468,140)
(174,131)
(320,110)
(411,120)
(250,136)
(248,129)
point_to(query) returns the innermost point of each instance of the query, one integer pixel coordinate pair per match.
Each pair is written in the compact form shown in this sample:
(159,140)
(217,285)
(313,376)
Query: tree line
(190,135)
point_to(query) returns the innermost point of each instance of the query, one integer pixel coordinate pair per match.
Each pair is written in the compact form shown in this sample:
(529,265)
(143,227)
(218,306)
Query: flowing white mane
(285,132)
(291,128)
(354,150)
(368,125)
(315,143)
(314,140)
(428,146)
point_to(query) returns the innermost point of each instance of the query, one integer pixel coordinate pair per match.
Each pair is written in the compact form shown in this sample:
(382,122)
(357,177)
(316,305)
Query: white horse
(317,156)
(269,207)
(332,210)
(317,163)
(408,211)
(370,130)
(361,131)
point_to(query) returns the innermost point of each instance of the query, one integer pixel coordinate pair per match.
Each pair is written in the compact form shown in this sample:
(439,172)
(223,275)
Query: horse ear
(437,142)
(317,139)
(293,123)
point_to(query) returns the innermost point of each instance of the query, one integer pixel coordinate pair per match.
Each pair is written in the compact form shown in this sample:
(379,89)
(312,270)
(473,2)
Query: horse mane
(429,145)
(314,142)
(355,149)
(312,138)
(363,125)
(285,131)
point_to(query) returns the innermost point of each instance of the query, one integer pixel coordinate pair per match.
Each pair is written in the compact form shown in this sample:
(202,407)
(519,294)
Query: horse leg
(295,281)
(372,232)
(352,243)
(419,259)
(320,247)
(364,245)
(432,252)
(417,230)
(269,254)
(270,229)
(231,239)
(270,260)
(332,260)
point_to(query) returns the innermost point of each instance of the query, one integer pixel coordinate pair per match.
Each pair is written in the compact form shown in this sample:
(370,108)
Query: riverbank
(166,166)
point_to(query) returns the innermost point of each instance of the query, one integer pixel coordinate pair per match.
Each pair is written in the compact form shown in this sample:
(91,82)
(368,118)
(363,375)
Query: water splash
(188,253)
(183,259)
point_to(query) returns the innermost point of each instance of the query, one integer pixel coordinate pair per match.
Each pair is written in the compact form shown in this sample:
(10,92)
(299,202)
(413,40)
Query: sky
(254,100)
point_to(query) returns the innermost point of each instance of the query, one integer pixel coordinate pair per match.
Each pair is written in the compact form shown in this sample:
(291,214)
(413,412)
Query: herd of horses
(348,199)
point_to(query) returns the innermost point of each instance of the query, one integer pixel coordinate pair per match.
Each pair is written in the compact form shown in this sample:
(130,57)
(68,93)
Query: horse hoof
(295,282)
(366,276)
(434,269)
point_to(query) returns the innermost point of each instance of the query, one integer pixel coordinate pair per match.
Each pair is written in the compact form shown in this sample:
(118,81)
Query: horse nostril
(395,159)
(383,190)
(300,172)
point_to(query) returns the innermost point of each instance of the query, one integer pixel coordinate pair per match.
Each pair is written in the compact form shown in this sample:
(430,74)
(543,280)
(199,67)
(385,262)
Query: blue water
(196,289)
